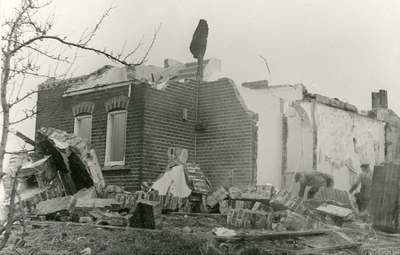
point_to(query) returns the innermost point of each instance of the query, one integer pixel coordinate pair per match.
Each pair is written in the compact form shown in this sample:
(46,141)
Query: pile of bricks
(249,219)
(256,192)
(284,200)
(283,211)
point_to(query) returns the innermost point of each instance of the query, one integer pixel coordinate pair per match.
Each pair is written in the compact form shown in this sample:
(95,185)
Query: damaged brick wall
(164,125)
(226,139)
(57,111)
(226,149)
(49,107)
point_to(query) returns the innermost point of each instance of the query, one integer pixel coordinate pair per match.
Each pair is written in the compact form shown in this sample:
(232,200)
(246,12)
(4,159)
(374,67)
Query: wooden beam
(270,236)
(328,249)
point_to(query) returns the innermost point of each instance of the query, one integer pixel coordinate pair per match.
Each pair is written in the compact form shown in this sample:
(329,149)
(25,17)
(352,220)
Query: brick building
(132,116)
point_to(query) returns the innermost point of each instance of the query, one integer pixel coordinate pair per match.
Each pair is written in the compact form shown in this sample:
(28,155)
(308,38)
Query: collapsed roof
(119,76)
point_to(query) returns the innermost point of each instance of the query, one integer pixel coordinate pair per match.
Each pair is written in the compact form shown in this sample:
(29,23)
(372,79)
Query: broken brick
(177,156)
(253,192)
(216,196)
(284,200)
(258,206)
(244,218)
(291,220)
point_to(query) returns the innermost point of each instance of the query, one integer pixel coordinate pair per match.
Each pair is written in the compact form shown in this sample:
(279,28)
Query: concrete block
(86,193)
(147,215)
(52,206)
(84,206)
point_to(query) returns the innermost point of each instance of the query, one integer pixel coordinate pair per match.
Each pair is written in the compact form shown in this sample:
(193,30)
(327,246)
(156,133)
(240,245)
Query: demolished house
(121,146)
(131,122)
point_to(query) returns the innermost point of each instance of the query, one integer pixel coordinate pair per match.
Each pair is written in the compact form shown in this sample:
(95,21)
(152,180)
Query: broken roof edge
(54,83)
(332,102)
(103,86)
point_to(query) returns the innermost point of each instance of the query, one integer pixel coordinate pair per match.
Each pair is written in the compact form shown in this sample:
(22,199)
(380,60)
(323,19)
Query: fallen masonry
(78,194)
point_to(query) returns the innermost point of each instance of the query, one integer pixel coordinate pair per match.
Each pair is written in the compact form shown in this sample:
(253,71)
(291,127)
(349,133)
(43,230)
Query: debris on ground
(182,199)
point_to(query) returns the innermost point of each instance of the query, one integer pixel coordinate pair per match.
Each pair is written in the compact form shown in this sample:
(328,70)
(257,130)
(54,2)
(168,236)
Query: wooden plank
(382,214)
(388,194)
(204,215)
(398,198)
(392,210)
(328,249)
(91,225)
(271,235)
(375,191)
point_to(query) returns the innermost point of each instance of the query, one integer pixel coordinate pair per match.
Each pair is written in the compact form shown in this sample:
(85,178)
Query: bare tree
(24,40)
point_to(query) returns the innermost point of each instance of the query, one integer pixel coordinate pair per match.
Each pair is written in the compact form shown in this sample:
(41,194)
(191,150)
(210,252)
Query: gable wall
(227,148)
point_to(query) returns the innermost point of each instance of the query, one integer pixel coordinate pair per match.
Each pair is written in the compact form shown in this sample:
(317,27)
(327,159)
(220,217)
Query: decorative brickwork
(119,102)
(84,107)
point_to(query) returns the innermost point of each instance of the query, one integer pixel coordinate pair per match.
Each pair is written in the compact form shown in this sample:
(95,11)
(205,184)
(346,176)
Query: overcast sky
(341,49)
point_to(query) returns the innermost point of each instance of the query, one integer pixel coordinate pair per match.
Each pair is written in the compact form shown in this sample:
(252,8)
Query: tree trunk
(6,109)
(11,217)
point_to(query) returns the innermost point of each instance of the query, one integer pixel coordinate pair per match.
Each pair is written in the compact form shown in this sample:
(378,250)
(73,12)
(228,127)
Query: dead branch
(266,63)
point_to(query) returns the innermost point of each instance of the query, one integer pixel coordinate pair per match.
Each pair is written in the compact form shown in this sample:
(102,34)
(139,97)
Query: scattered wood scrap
(270,236)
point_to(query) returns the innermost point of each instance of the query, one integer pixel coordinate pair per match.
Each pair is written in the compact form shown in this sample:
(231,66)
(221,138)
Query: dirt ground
(181,234)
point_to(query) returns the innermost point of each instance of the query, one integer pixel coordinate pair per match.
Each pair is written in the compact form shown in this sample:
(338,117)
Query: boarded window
(116,133)
(83,126)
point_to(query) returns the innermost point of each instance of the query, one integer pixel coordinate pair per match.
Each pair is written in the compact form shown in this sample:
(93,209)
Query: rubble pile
(263,207)
(71,189)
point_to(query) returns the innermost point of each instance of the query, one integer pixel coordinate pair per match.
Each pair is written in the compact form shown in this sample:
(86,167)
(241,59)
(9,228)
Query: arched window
(116,130)
(83,119)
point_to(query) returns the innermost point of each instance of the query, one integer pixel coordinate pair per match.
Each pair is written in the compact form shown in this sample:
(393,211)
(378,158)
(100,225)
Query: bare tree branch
(151,45)
(266,63)
(28,115)
(97,26)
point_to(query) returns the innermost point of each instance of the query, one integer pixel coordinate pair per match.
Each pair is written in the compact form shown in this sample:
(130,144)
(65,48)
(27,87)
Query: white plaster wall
(299,143)
(345,141)
(269,159)
(288,92)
